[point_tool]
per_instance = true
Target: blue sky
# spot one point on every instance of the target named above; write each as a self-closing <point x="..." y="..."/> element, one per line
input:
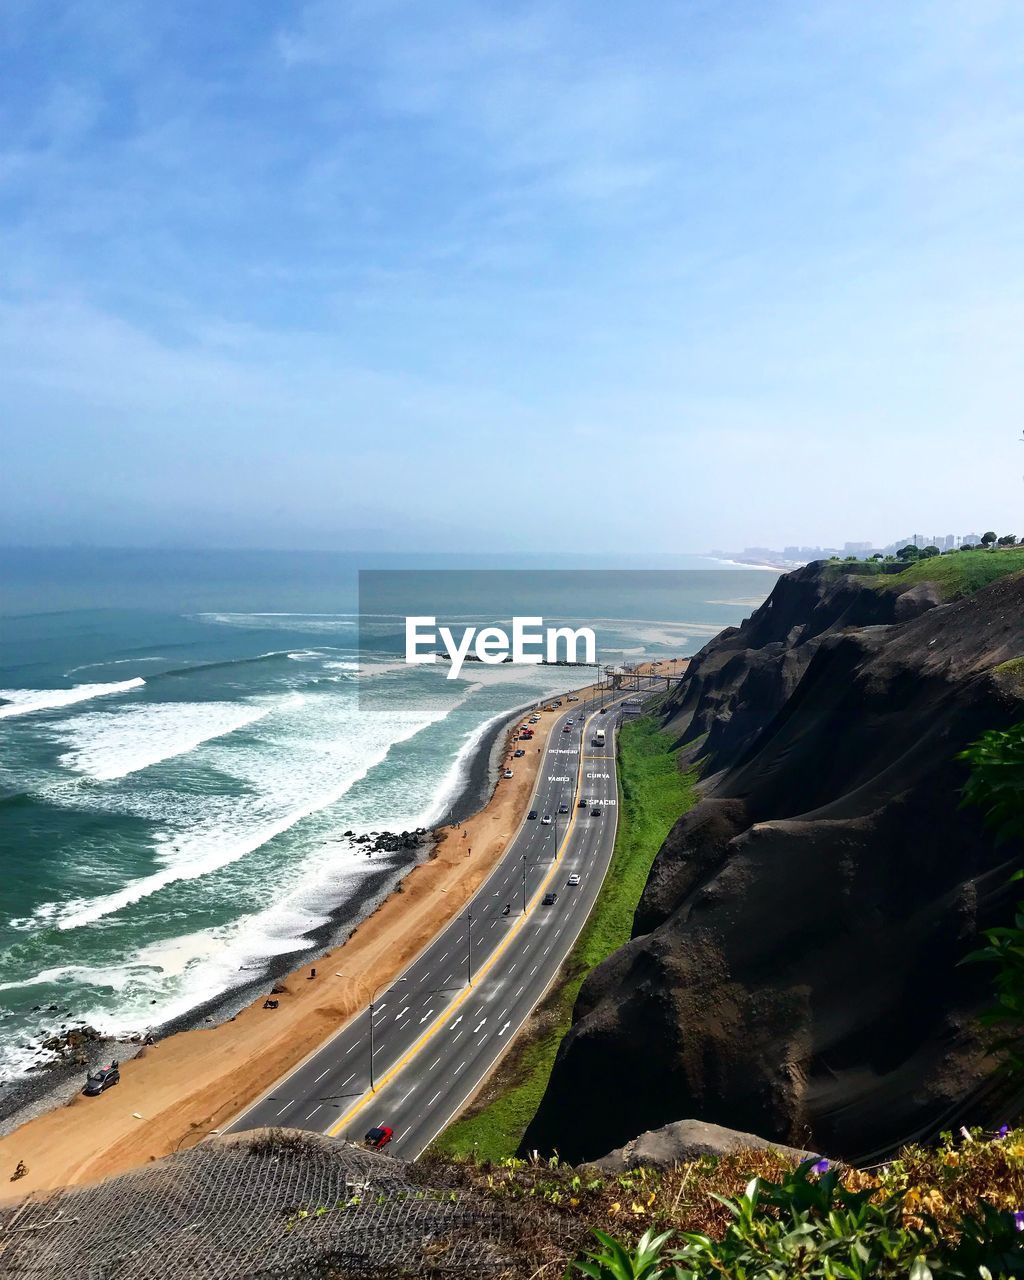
<point x="510" y="276"/>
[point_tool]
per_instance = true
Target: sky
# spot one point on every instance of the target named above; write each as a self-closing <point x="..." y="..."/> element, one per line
<point x="510" y="276"/>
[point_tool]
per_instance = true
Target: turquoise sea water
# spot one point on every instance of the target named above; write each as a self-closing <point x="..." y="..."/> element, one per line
<point x="184" y="739"/>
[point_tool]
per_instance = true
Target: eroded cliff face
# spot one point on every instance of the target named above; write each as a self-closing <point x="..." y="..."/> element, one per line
<point x="795" y="965"/>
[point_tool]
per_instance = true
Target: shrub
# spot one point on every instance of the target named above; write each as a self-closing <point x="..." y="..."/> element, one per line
<point x="996" y="785"/>
<point x="810" y="1224"/>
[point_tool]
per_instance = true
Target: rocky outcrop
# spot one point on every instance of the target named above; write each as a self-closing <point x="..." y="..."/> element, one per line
<point x="795" y="963"/>
<point x="689" y="1140"/>
<point x="746" y="674"/>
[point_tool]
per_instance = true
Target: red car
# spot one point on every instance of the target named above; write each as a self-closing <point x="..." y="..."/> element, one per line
<point x="379" y="1137"/>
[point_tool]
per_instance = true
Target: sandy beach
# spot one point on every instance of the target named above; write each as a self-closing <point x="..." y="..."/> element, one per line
<point x="175" y="1092"/>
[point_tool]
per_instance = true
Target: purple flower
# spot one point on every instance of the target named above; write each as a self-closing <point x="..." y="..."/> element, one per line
<point x="1018" y="1219"/>
<point x="1002" y="1131"/>
<point x="820" y="1167"/>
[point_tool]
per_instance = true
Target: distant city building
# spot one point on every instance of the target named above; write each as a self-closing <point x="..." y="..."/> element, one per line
<point x="808" y="553"/>
<point x="795" y="554"/>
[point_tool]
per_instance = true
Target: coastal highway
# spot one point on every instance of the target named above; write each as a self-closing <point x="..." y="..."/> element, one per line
<point x="438" y="1029"/>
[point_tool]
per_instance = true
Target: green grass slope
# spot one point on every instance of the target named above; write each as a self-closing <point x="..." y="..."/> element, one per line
<point x="960" y="574"/>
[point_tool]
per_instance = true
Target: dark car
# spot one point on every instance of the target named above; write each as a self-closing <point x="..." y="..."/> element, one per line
<point x="563" y="808"/>
<point x="518" y="752"/>
<point x="595" y="812"/>
<point x="549" y="900"/>
<point x="583" y="802"/>
<point x="532" y="814"/>
<point x="103" y="1078"/>
<point x="379" y="1137"/>
<point x="604" y="710"/>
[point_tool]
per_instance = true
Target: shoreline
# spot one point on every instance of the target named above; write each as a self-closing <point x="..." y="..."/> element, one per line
<point x="202" y="1074"/>
<point x="55" y="1084"/>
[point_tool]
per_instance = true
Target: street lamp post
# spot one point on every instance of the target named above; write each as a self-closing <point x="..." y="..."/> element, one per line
<point x="373" y="997"/>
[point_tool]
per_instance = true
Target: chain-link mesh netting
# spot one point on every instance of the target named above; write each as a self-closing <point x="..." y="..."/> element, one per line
<point x="275" y="1205"/>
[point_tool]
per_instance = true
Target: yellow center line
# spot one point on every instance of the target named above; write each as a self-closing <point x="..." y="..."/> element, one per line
<point x="464" y="995"/>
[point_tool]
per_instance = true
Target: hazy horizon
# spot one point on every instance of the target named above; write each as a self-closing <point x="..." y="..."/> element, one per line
<point x="526" y="276"/>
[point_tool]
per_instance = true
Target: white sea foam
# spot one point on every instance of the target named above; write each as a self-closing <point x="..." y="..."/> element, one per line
<point x="452" y="782"/>
<point x="112" y="744"/>
<point x="168" y="979"/>
<point x="114" y="662"/>
<point x="306" y="764"/>
<point x="22" y="702"/>
<point x="322" y="623"/>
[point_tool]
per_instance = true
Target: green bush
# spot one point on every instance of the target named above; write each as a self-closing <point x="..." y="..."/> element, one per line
<point x="996" y="785"/>
<point x="809" y="1224"/>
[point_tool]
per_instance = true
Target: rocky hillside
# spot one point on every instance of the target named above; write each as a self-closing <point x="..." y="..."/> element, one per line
<point x="795" y="965"/>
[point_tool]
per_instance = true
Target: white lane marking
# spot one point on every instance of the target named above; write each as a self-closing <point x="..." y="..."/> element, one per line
<point x="482" y="1038"/>
<point x="456" y="1022"/>
<point x="444" y="957"/>
<point x="401" y="1013"/>
<point x="433" y="1064"/>
<point x="479" y="1025"/>
<point x="535" y="968"/>
<point x="434" y="1098"/>
<point x="520" y="991"/>
<point x="351" y="1077"/>
<point x="426" y="1016"/>
<point x="402" y="1134"/>
<point x="314" y="1111"/>
<point x="285" y="1107"/>
<point x="379" y="1008"/>
<point x="348" y="1050"/>
<point x="321" y="1076"/>
<point x="402" y="1099"/>
<point x="511" y="967"/>
<point x="456" y="1037"/>
<point x="547" y="948"/>
<point x="448" y="979"/>
<point x="458" y="1068"/>
<point x="504" y="1028"/>
<point x="526" y="948"/>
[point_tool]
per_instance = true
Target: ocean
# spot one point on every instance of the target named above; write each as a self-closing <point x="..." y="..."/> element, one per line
<point x="186" y="738"/>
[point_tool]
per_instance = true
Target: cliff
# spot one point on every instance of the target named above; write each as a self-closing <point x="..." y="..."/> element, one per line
<point x="795" y="962"/>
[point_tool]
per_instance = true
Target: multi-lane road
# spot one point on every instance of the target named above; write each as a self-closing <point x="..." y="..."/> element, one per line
<point x="438" y="1029"/>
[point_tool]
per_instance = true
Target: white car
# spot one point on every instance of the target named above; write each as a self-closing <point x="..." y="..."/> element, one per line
<point x="573" y="699"/>
<point x="546" y="820"/>
<point x="573" y="880"/>
<point x="508" y="773"/>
